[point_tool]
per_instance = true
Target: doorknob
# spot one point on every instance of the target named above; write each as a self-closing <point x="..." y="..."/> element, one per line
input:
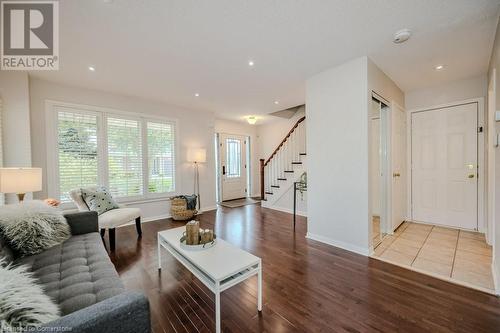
<point x="396" y="175"/>
<point x="471" y="175"/>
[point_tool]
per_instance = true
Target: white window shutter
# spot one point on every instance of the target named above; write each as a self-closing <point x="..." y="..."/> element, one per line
<point x="161" y="157"/>
<point x="124" y="157"/>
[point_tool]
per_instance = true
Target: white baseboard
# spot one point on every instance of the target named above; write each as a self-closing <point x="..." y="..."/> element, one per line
<point x="286" y="210"/>
<point x="340" y="244"/>
<point x="155" y="218"/>
<point x="496" y="276"/>
<point x="207" y="209"/>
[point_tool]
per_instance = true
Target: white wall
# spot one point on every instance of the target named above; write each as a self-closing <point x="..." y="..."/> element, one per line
<point x="461" y="90"/>
<point x="14" y="92"/>
<point x="196" y="129"/>
<point x="495" y="155"/>
<point x="270" y="134"/>
<point x="338" y="154"/>
<point x="241" y="128"/>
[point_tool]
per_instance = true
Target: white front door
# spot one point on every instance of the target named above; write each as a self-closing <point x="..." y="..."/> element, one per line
<point x="444" y="166"/>
<point x="233" y="166"/>
<point x="398" y="165"/>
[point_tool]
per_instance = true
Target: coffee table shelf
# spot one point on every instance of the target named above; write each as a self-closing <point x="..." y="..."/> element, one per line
<point x="218" y="268"/>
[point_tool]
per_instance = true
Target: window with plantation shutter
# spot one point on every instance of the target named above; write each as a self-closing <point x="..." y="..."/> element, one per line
<point x="131" y="155"/>
<point x="161" y="157"/>
<point x="77" y="153"/>
<point x="124" y="157"/>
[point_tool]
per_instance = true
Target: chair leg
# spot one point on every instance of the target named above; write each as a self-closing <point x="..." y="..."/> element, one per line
<point x="112" y="239"/>
<point x="103" y="232"/>
<point x="138" y="226"/>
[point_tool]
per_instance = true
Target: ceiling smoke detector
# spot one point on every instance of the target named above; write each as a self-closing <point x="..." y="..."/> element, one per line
<point x="401" y="36"/>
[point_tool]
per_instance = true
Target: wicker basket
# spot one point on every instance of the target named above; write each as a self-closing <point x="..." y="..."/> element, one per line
<point x="179" y="212"/>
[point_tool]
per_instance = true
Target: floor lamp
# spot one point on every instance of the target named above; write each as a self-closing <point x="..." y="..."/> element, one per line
<point x="196" y="156"/>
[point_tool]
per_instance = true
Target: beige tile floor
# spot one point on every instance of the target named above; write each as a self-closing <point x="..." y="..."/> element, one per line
<point x="377" y="237"/>
<point x="459" y="255"/>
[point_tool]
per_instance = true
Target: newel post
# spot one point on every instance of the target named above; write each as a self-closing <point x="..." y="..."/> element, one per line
<point x="262" y="179"/>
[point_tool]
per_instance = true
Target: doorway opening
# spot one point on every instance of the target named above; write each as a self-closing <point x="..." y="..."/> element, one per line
<point x="232" y="167"/>
<point x="443" y="235"/>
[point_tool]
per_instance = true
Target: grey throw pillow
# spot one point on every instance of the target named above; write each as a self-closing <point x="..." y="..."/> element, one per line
<point x="99" y="200"/>
<point x="23" y="304"/>
<point x="32" y="227"/>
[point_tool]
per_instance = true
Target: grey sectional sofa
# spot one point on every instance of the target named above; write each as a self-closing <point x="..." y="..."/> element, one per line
<point x="79" y="276"/>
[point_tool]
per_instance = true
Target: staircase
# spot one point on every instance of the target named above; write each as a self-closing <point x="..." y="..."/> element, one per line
<point x="285" y="165"/>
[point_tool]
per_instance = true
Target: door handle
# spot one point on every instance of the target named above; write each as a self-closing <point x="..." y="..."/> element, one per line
<point x="396" y="175"/>
<point x="223" y="170"/>
<point x="471" y="175"/>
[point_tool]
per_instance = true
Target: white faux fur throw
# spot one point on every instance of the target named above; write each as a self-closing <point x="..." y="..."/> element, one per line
<point x="32" y="227"/>
<point x="23" y="303"/>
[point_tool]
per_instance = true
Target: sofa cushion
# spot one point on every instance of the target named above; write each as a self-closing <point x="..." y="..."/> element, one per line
<point x="32" y="227"/>
<point x="76" y="273"/>
<point x="23" y="303"/>
<point x="117" y="217"/>
<point x="5" y="252"/>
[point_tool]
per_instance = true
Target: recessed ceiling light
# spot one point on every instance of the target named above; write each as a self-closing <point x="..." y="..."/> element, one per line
<point x="251" y="63"/>
<point x="439" y="67"/>
<point x="276" y="102"/>
<point x="92" y="68"/>
<point x="401" y="36"/>
<point x="196" y="95"/>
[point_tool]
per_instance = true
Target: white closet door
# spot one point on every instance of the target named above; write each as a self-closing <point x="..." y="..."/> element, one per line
<point x="444" y="166"/>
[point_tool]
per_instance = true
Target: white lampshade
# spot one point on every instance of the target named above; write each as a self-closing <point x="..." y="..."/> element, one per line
<point x="20" y="180"/>
<point x="198" y="155"/>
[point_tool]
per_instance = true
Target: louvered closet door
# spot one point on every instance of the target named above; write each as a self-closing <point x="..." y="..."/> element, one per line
<point x="444" y="166"/>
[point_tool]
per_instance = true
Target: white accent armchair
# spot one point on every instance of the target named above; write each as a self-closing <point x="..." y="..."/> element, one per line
<point x="110" y="219"/>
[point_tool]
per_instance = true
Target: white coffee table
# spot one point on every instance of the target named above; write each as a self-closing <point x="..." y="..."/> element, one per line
<point x="219" y="267"/>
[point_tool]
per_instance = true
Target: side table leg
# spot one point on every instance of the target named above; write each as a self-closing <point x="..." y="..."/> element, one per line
<point x="217" y="307"/>
<point x="259" y="292"/>
<point x="159" y="253"/>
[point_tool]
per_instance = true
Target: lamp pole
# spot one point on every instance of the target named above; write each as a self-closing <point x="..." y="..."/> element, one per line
<point x="197" y="184"/>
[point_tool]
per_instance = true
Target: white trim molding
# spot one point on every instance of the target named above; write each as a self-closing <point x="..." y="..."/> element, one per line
<point x="287" y="210"/>
<point x="343" y="245"/>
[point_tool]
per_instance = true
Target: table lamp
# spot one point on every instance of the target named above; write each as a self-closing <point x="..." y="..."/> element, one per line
<point x="197" y="155"/>
<point x="20" y="181"/>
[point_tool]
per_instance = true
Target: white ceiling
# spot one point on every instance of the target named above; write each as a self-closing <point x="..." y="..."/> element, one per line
<point x="169" y="50"/>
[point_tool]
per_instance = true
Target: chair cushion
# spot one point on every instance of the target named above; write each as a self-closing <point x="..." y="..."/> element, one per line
<point x="76" y="273"/>
<point x="117" y="217"/>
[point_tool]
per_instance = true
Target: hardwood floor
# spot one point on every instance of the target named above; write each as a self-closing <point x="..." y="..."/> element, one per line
<point x="308" y="286"/>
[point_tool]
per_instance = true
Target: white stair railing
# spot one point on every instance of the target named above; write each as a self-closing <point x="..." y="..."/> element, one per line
<point x="280" y="164"/>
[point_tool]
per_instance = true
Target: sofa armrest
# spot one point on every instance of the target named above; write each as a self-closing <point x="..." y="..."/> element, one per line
<point x="82" y="222"/>
<point x="124" y="313"/>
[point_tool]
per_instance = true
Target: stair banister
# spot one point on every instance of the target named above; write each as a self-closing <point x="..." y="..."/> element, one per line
<point x="281" y="158"/>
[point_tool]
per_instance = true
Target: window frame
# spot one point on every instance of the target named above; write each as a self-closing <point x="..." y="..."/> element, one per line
<point x="102" y="114"/>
